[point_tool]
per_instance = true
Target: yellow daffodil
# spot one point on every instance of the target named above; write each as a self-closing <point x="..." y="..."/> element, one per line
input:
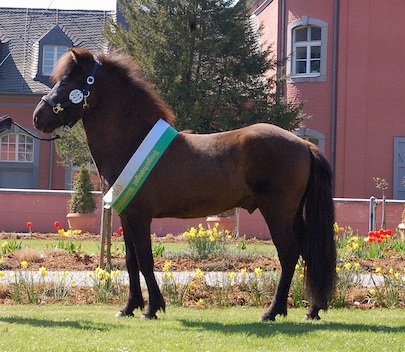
<point x="231" y="275"/>
<point x="2" y="274"/>
<point x="24" y="264"/>
<point x="42" y="271"/>
<point x="348" y="266"/>
<point x="258" y="271"/>
<point x="372" y="292"/>
<point x="378" y="270"/>
<point x="167" y="266"/>
<point x="168" y="275"/>
<point x="4" y="244"/>
<point x="243" y="271"/>
<point x="357" y="266"/>
<point x="199" y="273"/>
<point x="337" y="270"/>
<point x="2" y="260"/>
<point x="115" y="273"/>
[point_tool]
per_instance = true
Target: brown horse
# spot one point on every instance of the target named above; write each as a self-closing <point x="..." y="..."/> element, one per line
<point x="260" y="166"/>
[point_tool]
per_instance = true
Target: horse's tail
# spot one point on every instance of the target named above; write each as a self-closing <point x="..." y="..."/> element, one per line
<point x="319" y="244"/>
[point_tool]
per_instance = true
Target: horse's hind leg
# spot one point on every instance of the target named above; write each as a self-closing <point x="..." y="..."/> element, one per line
<point x="135" y="299"/>
<point x="285" y="240"/>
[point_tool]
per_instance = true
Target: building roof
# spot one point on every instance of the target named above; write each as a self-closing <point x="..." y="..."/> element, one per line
<point x="21" y="31"/>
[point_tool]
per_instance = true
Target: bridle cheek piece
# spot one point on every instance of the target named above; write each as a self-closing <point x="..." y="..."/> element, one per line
<point x="76" y="96"/>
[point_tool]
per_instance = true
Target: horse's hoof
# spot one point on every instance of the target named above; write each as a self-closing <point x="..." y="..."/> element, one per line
<point x="151" y="317"/>
<point x="310" y="317"/>
<point x="264" y="318"/>
<point x="122" y="314"/>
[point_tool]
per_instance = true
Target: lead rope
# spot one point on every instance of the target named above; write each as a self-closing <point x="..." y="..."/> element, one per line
<point x="58" y="136"/>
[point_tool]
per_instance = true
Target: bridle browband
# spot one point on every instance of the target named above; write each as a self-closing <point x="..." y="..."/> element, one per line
<point x="76" y="96"/>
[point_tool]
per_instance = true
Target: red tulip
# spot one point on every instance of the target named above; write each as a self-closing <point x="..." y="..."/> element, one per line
<point x="121" y="230"/>
<point x="29" y="224"/>
<point x="57" y="224"/>
<point x="115" y="234"/>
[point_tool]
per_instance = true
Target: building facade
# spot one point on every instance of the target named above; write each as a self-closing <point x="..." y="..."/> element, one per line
<point x="31" y="41"/>
<point x="344" y="60"/>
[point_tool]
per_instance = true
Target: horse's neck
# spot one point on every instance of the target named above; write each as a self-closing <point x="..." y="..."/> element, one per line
<point x="113" y="146"/>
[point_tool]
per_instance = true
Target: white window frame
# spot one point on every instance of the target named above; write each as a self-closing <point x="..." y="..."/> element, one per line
<point x="300" y="23"/>
<point x="23" y="148"/>
<point x="50" y="55"/>
<point x="307" y="45"/>
<point x="313" y="136"/>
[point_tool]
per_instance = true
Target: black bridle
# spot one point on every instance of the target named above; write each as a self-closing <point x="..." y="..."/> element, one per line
<point x="76" y="96"/>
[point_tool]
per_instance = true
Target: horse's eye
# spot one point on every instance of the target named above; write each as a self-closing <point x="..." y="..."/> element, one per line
<point x="63" y="81"/>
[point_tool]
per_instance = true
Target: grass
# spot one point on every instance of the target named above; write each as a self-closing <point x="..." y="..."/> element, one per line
<point x="94" y="328"/>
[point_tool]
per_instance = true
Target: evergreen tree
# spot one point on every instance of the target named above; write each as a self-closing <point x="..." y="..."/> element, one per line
<point x="82" y="200"/>
<point x="203" y="57"/>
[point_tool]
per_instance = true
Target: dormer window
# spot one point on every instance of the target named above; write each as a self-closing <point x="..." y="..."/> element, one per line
<point x="49" y="49"/>
<point x="51" y="54"/>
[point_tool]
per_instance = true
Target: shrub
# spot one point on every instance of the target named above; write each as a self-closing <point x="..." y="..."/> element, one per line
<point x="82" y="200"/>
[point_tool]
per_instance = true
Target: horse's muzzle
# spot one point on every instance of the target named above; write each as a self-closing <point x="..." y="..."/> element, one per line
<point x="41" y="120"/>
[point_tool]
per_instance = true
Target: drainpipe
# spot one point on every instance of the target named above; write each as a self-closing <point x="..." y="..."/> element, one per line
<point x="334" y="84"/>
<point x="282" y="36"/>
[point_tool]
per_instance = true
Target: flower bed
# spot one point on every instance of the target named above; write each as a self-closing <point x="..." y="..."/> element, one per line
<point x="371" y="273"/>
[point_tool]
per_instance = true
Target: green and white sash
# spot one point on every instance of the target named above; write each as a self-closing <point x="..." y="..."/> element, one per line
<point x="139" y="166"/>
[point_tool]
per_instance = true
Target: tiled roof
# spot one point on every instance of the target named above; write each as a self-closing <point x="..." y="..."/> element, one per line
<point x="21" y="31"/>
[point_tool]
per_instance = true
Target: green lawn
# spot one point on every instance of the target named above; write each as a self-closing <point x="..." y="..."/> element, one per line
<point x="94" y="328"/>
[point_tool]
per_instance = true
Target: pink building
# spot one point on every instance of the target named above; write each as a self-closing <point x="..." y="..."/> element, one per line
<point x="344" y="60"/>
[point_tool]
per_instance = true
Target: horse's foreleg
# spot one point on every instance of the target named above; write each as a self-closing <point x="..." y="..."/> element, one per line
<point x="288" y="252"/>
<point x="135" y="299"/>
<point x="143" y="247"/>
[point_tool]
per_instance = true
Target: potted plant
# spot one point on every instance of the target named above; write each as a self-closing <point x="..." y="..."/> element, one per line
<point x="82" y="203"/>
<point x="226" y="220"/>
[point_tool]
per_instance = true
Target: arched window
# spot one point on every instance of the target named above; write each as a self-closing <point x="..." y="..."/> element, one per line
<point x="16" y="147"/>
<point x="312" y="136"/>
<point x="307" y="49"/>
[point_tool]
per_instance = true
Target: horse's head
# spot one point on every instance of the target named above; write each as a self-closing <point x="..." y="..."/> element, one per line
<point x="66" y="103"/>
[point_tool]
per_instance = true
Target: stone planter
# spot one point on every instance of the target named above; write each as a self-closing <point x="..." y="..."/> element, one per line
<point x="227" y="223"/>
<point x="85" y="222"/>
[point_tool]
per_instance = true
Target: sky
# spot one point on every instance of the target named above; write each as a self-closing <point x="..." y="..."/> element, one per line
<point x="62" y="4"/>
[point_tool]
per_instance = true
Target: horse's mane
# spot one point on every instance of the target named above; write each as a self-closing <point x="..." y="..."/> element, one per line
<point x="127" y="68"/>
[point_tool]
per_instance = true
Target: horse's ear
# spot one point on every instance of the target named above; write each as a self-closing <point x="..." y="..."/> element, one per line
<point x="75" y="56"/>
<point x="80" y="56"/>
